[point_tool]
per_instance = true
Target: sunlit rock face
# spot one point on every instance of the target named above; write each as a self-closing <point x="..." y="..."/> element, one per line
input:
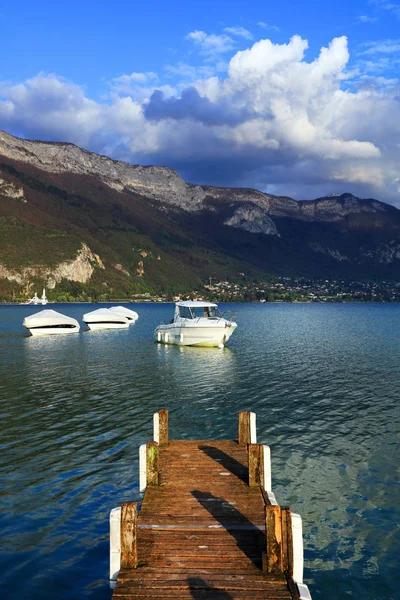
<point x="10" y="190"/>
<point x="253" y="219"/>
<point x="79" y="269"/>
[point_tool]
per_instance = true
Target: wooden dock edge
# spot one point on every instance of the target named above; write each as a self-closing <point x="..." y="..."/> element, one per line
<point x="283" y="529"/>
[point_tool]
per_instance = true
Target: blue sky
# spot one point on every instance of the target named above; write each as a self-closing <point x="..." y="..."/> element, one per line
<point x="296" y="98"/>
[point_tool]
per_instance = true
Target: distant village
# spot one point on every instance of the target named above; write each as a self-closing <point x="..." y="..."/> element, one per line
<point x="285" y="289"/>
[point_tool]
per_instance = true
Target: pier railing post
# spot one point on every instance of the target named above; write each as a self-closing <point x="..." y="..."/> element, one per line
<point x="152" y="453"/>
<point x="256" y="465"/>
<point x="287" y="542"/>
<point x="273" y="535"/>
<point x="129" y="555"/>
<point x="247" y="428"/>
<point x="279" y="540"/>
<point x="244" y="427"/>
<point x="160" y="422"/>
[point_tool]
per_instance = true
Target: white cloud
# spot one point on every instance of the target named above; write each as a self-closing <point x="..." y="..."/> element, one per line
<point x="274" y="120"/>
<point x="366" y="19"/>
<point x="239" y="31"/>
<point x="381" y="47"/>
<point x="138" y="85"/>
<point x="387" y="5"/>
<point x="189" y="73"/>
<point x="211" y="44"/>
<point x="266" y="26"/>
<point x="136" y="78"/>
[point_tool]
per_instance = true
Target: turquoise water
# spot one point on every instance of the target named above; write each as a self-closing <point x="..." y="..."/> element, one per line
<point x="323" y="380"/>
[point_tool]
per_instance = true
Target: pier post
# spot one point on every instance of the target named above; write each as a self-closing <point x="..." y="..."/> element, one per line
<point x="256" y="465"/>
<point x="279" y="540"/>
<point x="160" y="422"/>
<point x="129" y="556"/>
<point x="267" y="468"/>
<point x="247" y="428"/>
<point x="152" y="453"/>
<point x="115" y="544"/>
<point x="142" y="467"/>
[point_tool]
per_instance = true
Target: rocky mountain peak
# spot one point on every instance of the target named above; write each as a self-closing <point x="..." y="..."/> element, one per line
<point x="156" y="183"/>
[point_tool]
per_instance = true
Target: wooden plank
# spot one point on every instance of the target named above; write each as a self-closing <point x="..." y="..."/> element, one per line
<point x="129" y="557"/>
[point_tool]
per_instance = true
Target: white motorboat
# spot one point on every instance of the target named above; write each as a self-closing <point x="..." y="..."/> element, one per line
<point x="131" y="315"/>
<point x="196" y="323"/>
<point x="35" y="300"/>
<point x="50" y="322"/>
<point x="104" y="318"/>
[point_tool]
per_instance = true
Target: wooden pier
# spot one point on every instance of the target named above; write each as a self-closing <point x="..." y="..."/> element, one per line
<point x="209" y="526"/>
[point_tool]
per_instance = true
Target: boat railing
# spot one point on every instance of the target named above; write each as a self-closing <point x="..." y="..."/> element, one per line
<point x="230" y="315"/>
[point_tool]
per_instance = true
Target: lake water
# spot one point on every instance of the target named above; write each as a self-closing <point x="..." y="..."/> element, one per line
<point x="324" y="381"/>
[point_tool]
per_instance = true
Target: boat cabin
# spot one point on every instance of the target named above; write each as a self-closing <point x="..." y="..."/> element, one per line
<point x="193" y="309"/>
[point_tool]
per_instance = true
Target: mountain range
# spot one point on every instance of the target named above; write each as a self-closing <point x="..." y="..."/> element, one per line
<point x="82" y="223"/>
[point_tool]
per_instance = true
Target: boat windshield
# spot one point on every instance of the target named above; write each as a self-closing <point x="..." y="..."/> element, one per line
<point x="206" y="312"/>
<point x="195" y="312"/>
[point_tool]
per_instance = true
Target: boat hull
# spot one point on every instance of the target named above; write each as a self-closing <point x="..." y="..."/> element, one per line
<point x="207" y="337"/>
<point x="100" y="326"/>
<point x="41" y="331"/>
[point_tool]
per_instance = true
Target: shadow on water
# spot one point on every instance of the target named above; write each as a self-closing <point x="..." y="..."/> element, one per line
<point x="198" y="588"/>
<point x="230" y="463"/>
<point x="249" y="538"/>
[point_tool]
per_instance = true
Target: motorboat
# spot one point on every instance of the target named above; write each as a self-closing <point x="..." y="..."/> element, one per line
<point x="196" y="323"/>
<point x="104" y="318"/>
<point x="50" y="322"/>
<point x="131" y="315"/>
<point x="35" y="300"/>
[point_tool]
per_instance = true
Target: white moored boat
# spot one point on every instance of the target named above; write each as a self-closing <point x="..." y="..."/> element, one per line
<point x="196" y="323"/>
<point x="131" y="315"/>
<point x="35" y="300"/>
<point x="104" y="318"/>
<point x="50" y="322"/>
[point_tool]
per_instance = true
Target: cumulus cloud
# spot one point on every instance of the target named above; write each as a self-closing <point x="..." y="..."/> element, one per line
<point x="273" y="120"/>
<point x="194" y="107"/>
<point x="139" y="86"/>
<point x="48" y="107"/>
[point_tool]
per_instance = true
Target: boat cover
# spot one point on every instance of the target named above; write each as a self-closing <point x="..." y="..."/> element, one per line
<point x="48" y="317"/>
